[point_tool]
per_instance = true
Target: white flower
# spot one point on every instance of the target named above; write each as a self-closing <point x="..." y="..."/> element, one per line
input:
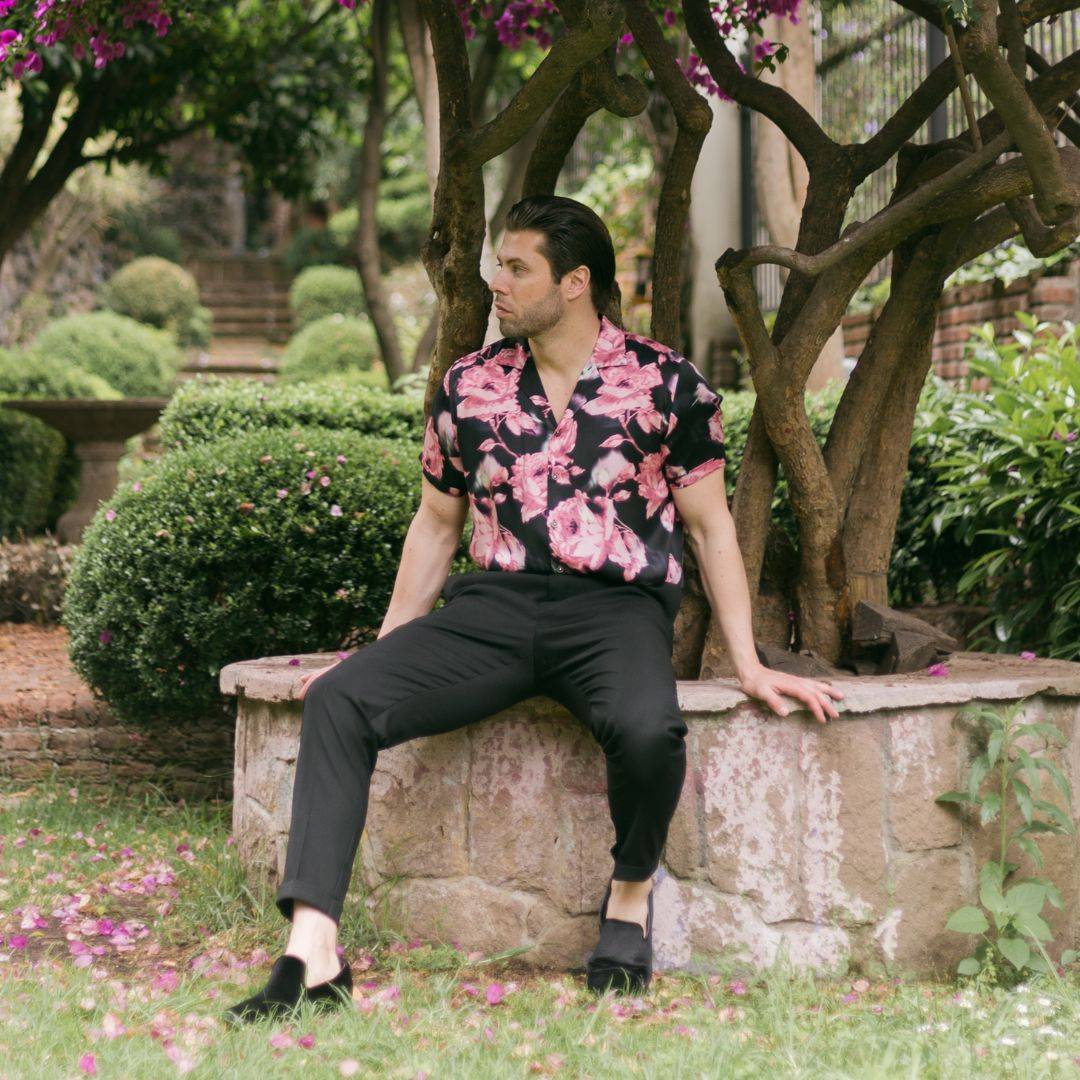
<point x="1007" y="1040"/>
<point x="1021" y="1007"/>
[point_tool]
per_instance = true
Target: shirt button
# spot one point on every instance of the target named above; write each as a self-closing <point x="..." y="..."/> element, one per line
<point x="558" y="567"/>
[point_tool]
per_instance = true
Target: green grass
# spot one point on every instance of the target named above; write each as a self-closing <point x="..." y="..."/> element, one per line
<point x="194" y="939"/>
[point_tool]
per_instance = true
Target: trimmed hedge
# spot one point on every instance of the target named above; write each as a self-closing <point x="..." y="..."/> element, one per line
<point x="162" y="294"/>
<point x="208" y="407"/>
<point x="334" y="344"/>
<point x="319" y="291"/>
<point x="138" y="360"/>
<point x="39" y="480"/>
<point x="230" y="551"/>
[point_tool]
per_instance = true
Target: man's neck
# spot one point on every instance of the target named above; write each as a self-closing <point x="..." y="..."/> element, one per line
<point x="566" y="347"/>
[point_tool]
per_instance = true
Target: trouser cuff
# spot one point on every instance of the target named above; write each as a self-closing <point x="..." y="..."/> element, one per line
<point x="294" y="889"/>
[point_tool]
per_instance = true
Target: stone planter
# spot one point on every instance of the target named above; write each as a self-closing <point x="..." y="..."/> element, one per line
<point x="821" y="841"/>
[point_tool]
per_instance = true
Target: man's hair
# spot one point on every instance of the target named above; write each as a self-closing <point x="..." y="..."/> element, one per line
<point x="574" y="236"/>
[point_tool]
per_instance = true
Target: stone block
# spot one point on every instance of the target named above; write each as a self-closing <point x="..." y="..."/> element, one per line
<point x="927" y="887"/>
<point x="923" y="748"/>
<point x="745" y="766"/>
<point x="416" y="818"/>
<point x="842" y="844"/>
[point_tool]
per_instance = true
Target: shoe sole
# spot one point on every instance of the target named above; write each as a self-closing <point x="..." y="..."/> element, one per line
<point x="602" y="977"/>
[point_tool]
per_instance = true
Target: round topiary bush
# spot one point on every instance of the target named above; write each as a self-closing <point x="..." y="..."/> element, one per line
<point x="265" y="543"/>
<point x="159" y="293"/>
<point x="40" y="477"/>
<point x="209" y="407"/>
<point x="138" y="360"/>
<point x="319" y="291"/>
<point x="335" y="343"/>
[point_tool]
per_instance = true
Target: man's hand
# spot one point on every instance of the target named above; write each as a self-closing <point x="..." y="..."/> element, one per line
<point x="768" y="684"/>
<point x="307" y="679"/>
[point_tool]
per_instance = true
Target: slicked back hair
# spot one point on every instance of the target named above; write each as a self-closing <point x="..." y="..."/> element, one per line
<point x="574" y="236"/>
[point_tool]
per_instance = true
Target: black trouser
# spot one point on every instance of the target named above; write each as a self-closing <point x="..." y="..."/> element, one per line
<point x="602" y="650"/>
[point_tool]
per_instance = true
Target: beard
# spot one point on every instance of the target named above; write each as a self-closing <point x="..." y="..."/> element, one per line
<point x="536" y="318"/>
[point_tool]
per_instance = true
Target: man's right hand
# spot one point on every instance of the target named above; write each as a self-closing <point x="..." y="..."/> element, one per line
<point x="307" y="679"/>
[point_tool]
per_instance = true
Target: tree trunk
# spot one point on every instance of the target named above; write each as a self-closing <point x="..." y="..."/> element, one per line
<point x="367" y="248"/>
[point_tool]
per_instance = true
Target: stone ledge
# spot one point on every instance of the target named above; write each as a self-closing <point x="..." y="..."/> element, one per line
<point x="986" y="676"/>
<point x="823" y="841"/>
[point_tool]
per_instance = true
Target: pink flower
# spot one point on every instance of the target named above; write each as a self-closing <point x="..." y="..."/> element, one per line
<point x="282" y="492"/>
<point x="937" y="669"/>
<point x="17" y="941"/>
<point x="335" y="510"/>
<point x="494" y="994"/>
<point x="1027" y="654"/>
<point x="105" y="637"/>
<point x="341" y="459"/>
<point x="294" y="662"/>
<point x="306" y="1041"/>
<point x="324" y="481"/>
<point x="280" y="1040"/>
<point x="88" y="1065"/>
<point x="310" y="474"/>
<point x="110" y="514"/>
<point x="137" y="486"/>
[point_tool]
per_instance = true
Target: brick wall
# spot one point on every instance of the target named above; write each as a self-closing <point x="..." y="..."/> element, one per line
<point x="52" y="726"/>
<point x="1050" y="297"/>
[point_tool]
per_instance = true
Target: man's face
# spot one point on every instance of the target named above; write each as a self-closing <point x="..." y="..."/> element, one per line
<point x="528" y="301"/>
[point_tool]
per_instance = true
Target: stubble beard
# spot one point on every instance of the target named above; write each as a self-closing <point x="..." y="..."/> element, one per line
<point x="535" y="319"/>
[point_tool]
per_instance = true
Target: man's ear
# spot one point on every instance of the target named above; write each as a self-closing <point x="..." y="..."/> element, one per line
<point x="579" y="281"/>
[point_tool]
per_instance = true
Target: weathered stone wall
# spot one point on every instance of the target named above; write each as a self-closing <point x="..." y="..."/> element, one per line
<point x="824" y="841"/>
<point x="1049" y="297"/>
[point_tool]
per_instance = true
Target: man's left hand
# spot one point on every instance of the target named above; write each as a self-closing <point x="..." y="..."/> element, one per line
<point x="768" y="684"/>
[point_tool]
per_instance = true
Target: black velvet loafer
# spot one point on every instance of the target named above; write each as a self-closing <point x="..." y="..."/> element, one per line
<point x="623" y="957"/>
<point x="285" y="991"/>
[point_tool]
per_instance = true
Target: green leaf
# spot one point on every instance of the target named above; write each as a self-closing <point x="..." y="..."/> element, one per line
<point x="968" y="966"/>
<point x="955" y="797"/>
<point x="991" y="804"/>
<point x="979" y="769"/>
<point x="990" y="897"/>
<point x="1029" y="896"/>
<point x="1023" y="797"/>
<point x="1031" y="770"/>
<point x="1015" y="950"/>
<point x="967" y="920"/>
<point x="993" y="747"/>
<point x="1032" y="849"/>
<point x="1033" y="924"/>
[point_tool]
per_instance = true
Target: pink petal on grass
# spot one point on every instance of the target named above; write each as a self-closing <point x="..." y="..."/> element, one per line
<point x="937" y="669"/>
<point x="306" y="1041"/>
<point x="494" y="994"/>
<point x="88" y="1065"/>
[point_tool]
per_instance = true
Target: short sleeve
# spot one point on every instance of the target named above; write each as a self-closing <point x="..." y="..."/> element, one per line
<point x="440" y="459"/>
<point x="695" y="432"/>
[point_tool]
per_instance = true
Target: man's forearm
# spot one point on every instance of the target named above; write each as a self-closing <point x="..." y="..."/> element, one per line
<point x="426" y="557"/>
<point x="723" y="576"/>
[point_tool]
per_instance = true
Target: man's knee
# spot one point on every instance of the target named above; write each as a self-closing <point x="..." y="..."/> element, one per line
<point x="644" y="741"/>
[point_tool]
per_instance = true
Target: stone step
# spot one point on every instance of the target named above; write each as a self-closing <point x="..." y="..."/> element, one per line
<point x="246" y="328"/>
<point x="256" y="311"/>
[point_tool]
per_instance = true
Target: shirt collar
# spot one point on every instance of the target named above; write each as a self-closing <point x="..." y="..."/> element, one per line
<point x="610" y="348"/>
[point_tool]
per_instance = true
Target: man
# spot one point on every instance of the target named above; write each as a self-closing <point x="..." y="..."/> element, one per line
<point x="584" y="452"/>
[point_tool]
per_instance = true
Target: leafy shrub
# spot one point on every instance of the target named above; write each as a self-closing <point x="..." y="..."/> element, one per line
<point x="333" y="344"/>
<point x="162" y="294"/>
<point x="312" y="247"/>
<point x="138" y="360"/>
<point x="1012" y="768"/>
<point x="40" y="477"/>
<point x="1010" y="474"/>
<point x="208" y="407"/>
<point x="318" y="291"/>
<point x="230" y="551"/>
<point x="136" y="231"/>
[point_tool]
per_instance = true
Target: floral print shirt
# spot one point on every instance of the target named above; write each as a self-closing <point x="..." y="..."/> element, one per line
<point x="590" y="494"/>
